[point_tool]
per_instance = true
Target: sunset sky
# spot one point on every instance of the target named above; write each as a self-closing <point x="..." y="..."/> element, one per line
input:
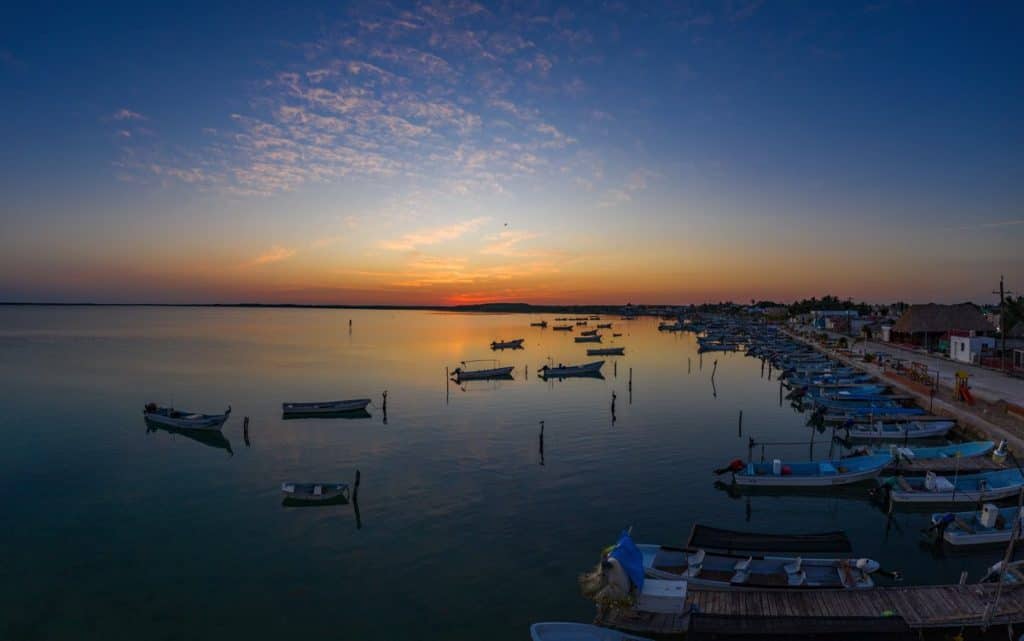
<point x="451" y="152"/>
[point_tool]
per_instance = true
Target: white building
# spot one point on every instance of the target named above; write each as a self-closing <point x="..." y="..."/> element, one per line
<point x="967" y="348"/>
<point x="886" y="332"/>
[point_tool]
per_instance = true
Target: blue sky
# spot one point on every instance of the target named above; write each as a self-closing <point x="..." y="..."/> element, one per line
<point x="455" y="151"/>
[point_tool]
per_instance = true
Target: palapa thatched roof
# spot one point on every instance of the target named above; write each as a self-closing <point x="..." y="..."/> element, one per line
<point x="934" y="318"/>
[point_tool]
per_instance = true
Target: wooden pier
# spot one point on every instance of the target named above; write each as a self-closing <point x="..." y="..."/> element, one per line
<point x="804" y="612"/>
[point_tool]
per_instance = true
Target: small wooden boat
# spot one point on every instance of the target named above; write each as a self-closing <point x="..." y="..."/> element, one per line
<point x="588" y="339"/>
<point x="589" y="332"/>
<point x="563" y="328"/>
<point x="325" y="407"/>
<point x="616" y="335"/>
<point x="604" y="325"/>
<point x="460" y="374"/>
<point x="809" y="474"/>
<point x="737" y="572"/>
<point x="563" y="371"/>
<point x="170" y="417"/>
<point x="606" y="351"/>
<point x="669" y="327"/>
<point x="314" y="493"/>
<point x="513" y="344"/>
<point x="990" y="525"/>
<point x="559" y="631"/>
<point x="581" y="322"/>
<point x="540" y="324"/>
<point x="965" y="488"/>
<point x="879" y="431"/>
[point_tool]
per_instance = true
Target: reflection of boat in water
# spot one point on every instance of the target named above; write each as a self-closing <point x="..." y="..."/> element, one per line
<point x="170" y="417"/>
<point x="210" y="438"/>
<point x="315" y="493"/>
<point x="325" y="407"/>
<point x="361" y="413"/>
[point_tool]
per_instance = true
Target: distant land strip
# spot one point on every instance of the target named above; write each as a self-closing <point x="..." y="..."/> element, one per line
<point x="507" y="308"/>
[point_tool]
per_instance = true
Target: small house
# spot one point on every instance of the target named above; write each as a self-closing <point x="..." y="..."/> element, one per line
<point x="967" y="347"/>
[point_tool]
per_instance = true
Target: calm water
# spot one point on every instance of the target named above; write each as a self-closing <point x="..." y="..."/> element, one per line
<point x="110" y="532"/>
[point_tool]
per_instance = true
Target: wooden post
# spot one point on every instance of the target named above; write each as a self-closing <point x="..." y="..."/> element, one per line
<point x="741" y="423"/>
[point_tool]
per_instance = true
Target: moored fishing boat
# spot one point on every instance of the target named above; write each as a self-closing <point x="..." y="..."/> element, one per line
<point x="589" y="332"/>
<point x="989" y="525"/>
<point x="460" y="374"/>
<point x="880" y="431"/>
<point x="604" y="325"/>
<point x="588" y="339"/>
<point x="737" y="572"/>
<point x="628" y="567"/>
<point x="562" y="631"/>
<point x="964" y="488"/>
<point x="563" y="328"/>
<point x="969" y="449"/>
<point x="540" y="324"/>
<point x="314" y="493"/>
<point x="325" y="407"/>
<point x="512" y="344"/>
<point x="562" y="371"/>
<point x="808" y="473"/>
<point x="182" y="420"/>
<point x="606" y="351"/>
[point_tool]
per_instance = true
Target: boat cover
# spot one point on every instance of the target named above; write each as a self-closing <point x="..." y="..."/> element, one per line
<point x="712" y="538"/>
<point x="630" y="558"/>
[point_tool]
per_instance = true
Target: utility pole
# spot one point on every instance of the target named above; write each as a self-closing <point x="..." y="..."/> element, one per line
<point x="1002" y="323"/>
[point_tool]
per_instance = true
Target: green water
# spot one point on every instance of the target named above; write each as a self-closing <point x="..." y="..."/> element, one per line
<point x="112" y="532"/>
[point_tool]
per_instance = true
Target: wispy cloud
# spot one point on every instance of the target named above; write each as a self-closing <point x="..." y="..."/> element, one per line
<point x="127" y="114"/>
<point x="635" y="182"/>
<point x="274" y="255"/>
<point x="988" y="225"/>
<point x="507" y="243"/>
<point x="419" y="97"/>
<point x="434" y="236"/>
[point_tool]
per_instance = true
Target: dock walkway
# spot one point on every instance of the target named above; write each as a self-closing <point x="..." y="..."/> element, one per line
<point x="763" y="612"/>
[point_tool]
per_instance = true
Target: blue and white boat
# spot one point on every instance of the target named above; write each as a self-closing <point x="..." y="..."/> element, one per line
<point x="990" y="525"/>
<point x="970" y="449"/>
<point x="905" y="430"/>
<point x="183" y="420"/>
<point x="965" y="488"/>
<point x="812" y="473"/>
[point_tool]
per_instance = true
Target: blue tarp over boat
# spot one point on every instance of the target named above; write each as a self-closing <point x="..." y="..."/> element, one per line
<point x="629" y="556"/>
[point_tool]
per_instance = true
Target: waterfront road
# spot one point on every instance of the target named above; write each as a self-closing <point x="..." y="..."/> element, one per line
<point x="986" y="384"/>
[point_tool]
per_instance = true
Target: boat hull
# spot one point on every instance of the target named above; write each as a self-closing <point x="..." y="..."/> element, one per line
<point x="324" y="407"/>
<point x="205" y="423"/>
